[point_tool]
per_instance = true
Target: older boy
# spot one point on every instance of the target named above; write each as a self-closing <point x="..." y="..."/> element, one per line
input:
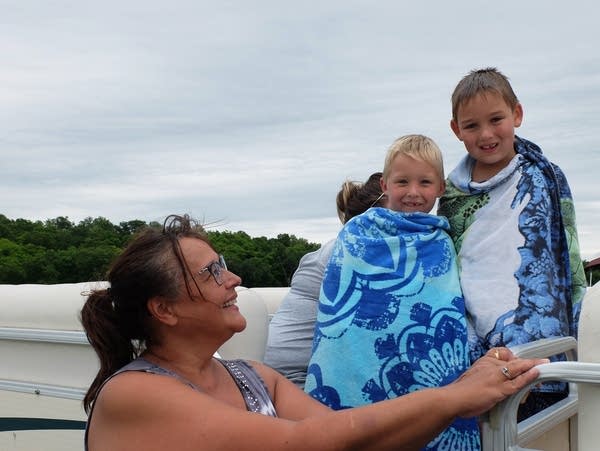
<point x="513" y="224"/>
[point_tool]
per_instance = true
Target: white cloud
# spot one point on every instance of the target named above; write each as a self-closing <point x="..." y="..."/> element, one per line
<point x="255" y="113"/>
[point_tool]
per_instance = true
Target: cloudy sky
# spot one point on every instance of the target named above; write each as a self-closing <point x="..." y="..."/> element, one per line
<point x="252" y="114"/>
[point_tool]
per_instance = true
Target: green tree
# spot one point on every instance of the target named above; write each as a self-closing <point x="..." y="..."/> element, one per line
<point x="60" y="251"/>
<point x="127" y="229"/>
<point x="261" y="261"/>
<point x="6" y="228"/>
<point x="12" y="258"/>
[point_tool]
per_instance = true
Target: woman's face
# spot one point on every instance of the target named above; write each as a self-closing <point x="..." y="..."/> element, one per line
<point x="213" y="304"/>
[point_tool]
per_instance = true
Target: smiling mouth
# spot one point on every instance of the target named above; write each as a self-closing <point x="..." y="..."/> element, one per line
<point x="489" y="147"/>
<point x="229" y="303"/>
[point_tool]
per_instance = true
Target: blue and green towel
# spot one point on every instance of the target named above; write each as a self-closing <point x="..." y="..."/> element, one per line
<point x="515" y="235"/>
<point x="391" y="317"/>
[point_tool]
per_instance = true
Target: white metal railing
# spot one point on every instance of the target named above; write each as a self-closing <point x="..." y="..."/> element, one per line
<point x="55" y="391"/>
<point x="44" y="335"/>
<point x="500" y="430"/>
<point x="508" y="433"/>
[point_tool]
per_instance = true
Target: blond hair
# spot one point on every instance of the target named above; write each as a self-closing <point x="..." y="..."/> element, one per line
<point x="420" y="148"/>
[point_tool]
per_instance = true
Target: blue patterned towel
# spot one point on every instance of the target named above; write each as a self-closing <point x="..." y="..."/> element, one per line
<point x="515" y="234"/>
<point x="391" y="316"/>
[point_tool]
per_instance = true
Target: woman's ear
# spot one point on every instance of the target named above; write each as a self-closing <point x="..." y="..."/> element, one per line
<point x="162" y="310"/>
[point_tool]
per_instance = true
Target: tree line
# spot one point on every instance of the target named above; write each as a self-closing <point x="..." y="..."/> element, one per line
<point x="61" y="251"/>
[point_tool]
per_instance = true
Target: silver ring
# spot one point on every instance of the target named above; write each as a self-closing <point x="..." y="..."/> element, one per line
<point x="506" y="372"/>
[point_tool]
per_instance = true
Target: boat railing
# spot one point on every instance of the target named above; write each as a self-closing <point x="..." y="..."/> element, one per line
<point x="500" y="430"/>
<point x="577" y="413"/>
<point x="512" y="433"/>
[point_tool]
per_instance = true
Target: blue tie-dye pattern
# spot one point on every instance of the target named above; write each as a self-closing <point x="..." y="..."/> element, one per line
<point x="545" y="308"/>
<point x="547" y="304"/>
<point x="391" y="295"/>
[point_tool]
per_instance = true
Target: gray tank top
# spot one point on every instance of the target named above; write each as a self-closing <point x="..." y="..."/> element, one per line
<point x="251" y="386"/>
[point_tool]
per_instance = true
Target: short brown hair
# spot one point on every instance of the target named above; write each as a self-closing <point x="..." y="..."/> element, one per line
<point x="480" y="81"/>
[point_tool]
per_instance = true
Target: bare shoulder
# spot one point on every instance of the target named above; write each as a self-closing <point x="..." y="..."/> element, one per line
<point x="273" y="380"/>
<point x="137" y="408"/>
<point x="270" y="376"/>
<point x="137" y="391"/>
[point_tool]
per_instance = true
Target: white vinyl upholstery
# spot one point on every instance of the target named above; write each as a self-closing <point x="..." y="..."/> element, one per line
<point x="41" y="335"/>
<point x="47" y="364"/>
<point x="37" y="306"/>
<point x="250" y="343"/>
<point x="272" y="297"/>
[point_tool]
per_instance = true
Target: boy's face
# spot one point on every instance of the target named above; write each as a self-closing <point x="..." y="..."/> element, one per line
<point x="412" y="185"/>
<point x="486" y="125"/>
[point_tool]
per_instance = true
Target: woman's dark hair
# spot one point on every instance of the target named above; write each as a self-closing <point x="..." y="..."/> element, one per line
<point x="355" y="198"/>
<point x="116" y="320"/>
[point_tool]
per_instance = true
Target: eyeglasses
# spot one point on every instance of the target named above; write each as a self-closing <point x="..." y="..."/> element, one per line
<point x="216" y="269"/>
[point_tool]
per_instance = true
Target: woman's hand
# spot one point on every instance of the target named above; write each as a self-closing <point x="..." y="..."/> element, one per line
<point x="492" y="378"/>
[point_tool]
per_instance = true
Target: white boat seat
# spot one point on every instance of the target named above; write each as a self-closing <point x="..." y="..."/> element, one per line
<point x="272" y="297"/>
<point x="251" y="342"/>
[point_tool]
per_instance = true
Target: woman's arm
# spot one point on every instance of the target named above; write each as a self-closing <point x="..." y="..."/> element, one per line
<point x="290" y="401"/>
<point x="143" y="411"/>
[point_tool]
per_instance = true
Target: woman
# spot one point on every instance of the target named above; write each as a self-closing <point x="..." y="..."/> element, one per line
<point x="171" y="302"/>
